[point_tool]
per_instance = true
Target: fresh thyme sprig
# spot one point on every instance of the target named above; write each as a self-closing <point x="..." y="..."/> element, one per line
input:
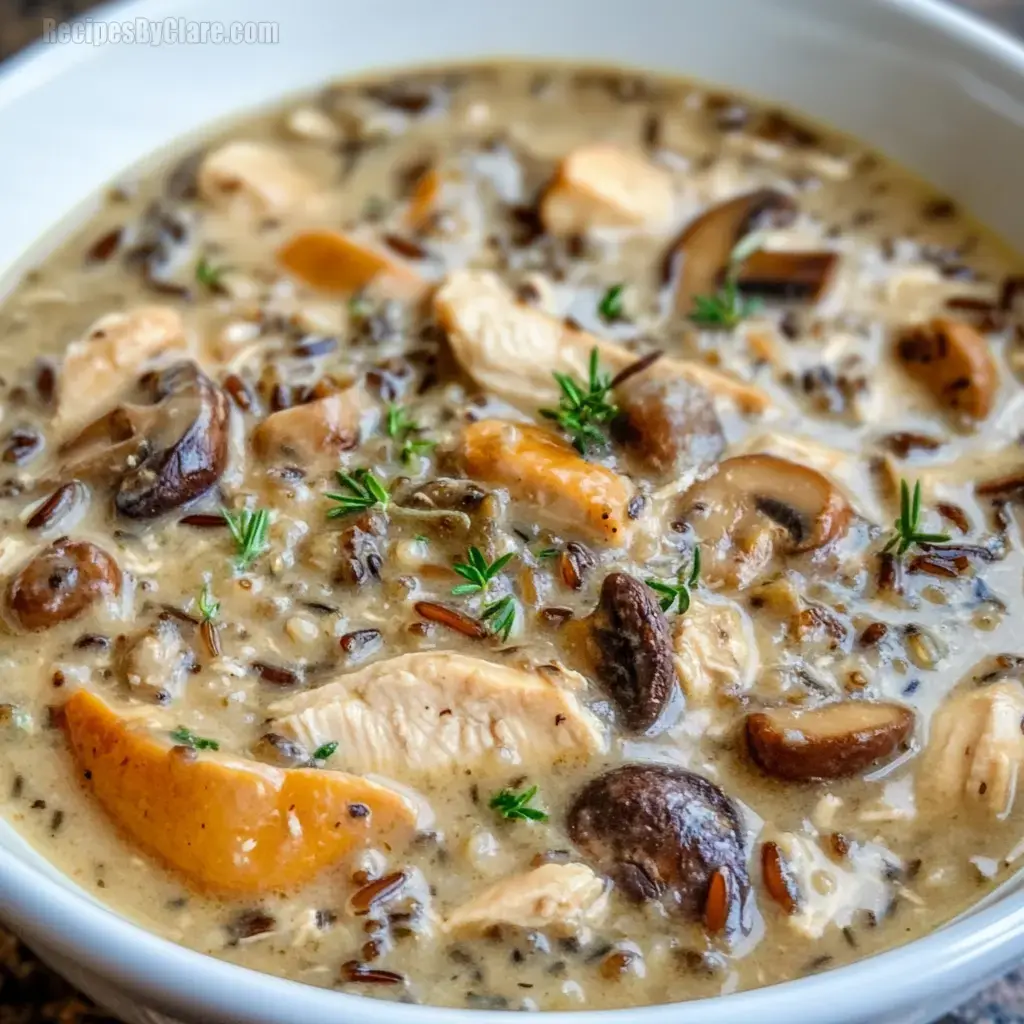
<point x="322" y="753"/>
<point x="478" y="571"/>
<point x="188" y="738"/>
<point x="400" y="426"/>
<point x="209" y="275"/>
<point x="209" y="609"/>
<point x="500" y="615"/>
<point x="679" y="590"/>
<point x="365" y="491"/>
<point x="582" y="413"/>
<point x="612" y="307"/>
<point x="516" y="806"/>
<point x="907" y="531"/>
<point x="727" y="307"/>
<point x="249" y="529"/>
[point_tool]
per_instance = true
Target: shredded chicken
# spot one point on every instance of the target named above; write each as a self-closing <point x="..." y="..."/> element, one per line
<point x="715" y="650"/>
<point x="439" y="712"/>
<point x="110" y="357"/>
<point x="605" y="186"/>
<point x="975" y="752"/>
<point x="252" y="175"/>
<point x="561" y="899"/>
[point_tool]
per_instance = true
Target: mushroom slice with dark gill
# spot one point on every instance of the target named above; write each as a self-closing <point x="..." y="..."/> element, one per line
<point x="953" y="361"/>
<point x="786" y="276"/>
<point x="826" y="742"/>
<point x="699" y="257"/>
<point x="756" y="505"/>
<point x="187" y="444"/>
<point x="60" y="583"/>
<point x="633" y="650"/>
<point x="667" y="423"/>
<point x="660" y="832"/>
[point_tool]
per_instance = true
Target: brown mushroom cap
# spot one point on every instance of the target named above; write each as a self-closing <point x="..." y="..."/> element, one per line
<point x="826" y="742"/>
<point x="755" y="505"/>
<point x="187" y="445"/>
<point x="701" y="254"/>
<point x="790" y="276"/>
<point x="661" y="832"/>
<point x="953" y="361"/>
<point x="60" y="583"/>
<point x="667" y="423"/>
<point x="634" y="661"/>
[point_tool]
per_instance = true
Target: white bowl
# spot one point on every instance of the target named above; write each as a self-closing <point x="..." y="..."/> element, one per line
<point x="924" y="83"/>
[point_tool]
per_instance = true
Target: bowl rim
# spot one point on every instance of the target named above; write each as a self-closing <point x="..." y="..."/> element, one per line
<point x="69" y="924"/>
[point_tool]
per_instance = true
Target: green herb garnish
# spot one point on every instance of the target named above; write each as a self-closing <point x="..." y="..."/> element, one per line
<point x="611" y="306"/>
<point x="478" y="571"/>
<point x="547" y="553"/>
<point x="500" y="615"/>
<point x="365" y="492"/>
<point x="209" y="275"/>
<point x="582" y="413"/>
<point x="209" y="609"/>
<point x="398" y="424"/>
<point x="516" y="806"/>
<point x="188" y="738"/>
<point x="249" y="529"/>
<point x="727" y="307"/>
<point x="678" y="591"/>
<point x="907" y="532"/>
<point x="324" y="752"/>
<point x="359" y="307"/>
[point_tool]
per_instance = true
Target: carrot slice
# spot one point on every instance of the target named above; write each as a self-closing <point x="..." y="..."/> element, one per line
<point x="228" y="826"/>
<point x="333" y="262"/>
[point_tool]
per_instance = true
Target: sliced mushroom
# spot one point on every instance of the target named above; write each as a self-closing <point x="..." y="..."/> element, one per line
<point x="314" y="432"/>
<point x="187" y="445"/>
<point x="605" y="186"/>
<point x="668" y="424"/>
<point x="109" y="358"/>
<point x="700" y="255"/>
<point x="634" y="650"/>
<point x="542" y="470"/>
<point x="826" y="742"/>
<point x="252" y="176"/>
<point x="755" y="505"/>
<point x="60" y="583"/>
<point x="661" y="832"/>
<point x="785" y="275"/>
<point x="157" y="663"/>
<point x="954" y="362"/>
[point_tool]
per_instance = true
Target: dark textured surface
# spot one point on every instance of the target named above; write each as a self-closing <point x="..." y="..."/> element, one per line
<point x="31" y="994"/>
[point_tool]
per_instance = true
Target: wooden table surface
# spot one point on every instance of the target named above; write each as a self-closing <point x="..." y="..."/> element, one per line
<point x="31" y="994"/>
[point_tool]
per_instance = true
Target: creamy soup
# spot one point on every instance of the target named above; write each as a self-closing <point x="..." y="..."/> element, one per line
<point x="518" y="537"/>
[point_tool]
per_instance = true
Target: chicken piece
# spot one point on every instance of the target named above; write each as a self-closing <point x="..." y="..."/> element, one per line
<point x="253" y="177"/>
<point x="111" y="356"/>
<point x="313" y="433"/>
<point x="974" y="752"/>
<point x="604" y="186"/>
<point x="559" y="899"/>
<point x="715" y="650"/>
<point x="539" y="468"/>
<point x="440" y="712"/>
<point x="512" y="350"/>
<point x="158" y="662"/>
<point x="823" y="892"/>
